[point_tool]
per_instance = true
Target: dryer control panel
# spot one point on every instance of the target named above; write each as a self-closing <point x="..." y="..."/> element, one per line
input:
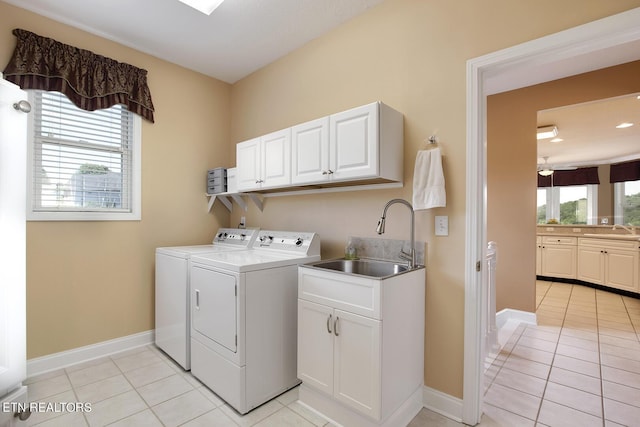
<point x="236" y="236"/>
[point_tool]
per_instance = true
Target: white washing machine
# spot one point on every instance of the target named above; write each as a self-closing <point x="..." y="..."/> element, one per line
<point x="173" y="314"/>
<point x="244" y="317"/>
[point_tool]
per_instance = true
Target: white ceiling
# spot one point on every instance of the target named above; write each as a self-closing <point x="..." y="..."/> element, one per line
<point x="589" y="133"/>
<point x="238" y="38"/>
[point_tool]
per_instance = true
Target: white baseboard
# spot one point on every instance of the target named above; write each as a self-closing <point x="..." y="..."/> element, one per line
<point x="442" y="403"/>
<point x="451" y="407"/>
<point x="507" y="321"/>
<point x="51" y="362"/>
<point x="508" y="314"/>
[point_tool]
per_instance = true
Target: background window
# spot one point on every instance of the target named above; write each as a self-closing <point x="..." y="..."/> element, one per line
<point x="576" y="204"/>
<point x="84" y="165"/>
<point x="627" y="202"/>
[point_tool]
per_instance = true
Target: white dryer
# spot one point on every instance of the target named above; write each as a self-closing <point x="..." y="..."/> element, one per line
<point x="244" y="317"/>
<point x="173" y="314"/>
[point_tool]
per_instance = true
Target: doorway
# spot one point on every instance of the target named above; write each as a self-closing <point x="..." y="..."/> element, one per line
<point x="599" y="44"/>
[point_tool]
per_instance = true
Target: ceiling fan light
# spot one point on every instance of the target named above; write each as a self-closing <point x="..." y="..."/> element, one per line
<point x="205" y="6"/>
<point x="546" y="132"/>
<point x="545" y="172"/>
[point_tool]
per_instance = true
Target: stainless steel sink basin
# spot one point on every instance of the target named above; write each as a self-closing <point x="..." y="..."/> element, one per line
<point x="363" y="267"/>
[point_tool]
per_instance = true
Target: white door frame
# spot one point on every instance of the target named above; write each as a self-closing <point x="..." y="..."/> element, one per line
<point x="610" y="41"/>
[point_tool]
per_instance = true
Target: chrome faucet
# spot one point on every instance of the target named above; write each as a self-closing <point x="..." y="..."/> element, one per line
<point x="631" y="230"/>
<point x="411" y="256"/>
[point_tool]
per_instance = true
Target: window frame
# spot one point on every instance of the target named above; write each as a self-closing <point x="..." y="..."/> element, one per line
<point x="131" y="214"/>
<point x="553" y="203"/>
<point x="619" y="191"/>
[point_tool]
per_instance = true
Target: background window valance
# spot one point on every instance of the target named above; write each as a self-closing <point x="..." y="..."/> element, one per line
<point x="581" y="176"/>
<point x="628" y="171"/>
<point x="90" y="81"/>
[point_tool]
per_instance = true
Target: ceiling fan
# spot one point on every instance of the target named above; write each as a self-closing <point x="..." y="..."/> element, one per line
<point x="545" y="169"/>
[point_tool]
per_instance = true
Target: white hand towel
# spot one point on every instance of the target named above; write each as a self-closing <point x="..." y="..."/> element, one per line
<point x="428" y="181"/>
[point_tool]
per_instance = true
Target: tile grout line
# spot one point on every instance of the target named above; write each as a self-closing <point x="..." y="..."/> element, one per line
<point x="600" y="361"/>
<point x="546" y="384"/>
<point x="134" y="389"/>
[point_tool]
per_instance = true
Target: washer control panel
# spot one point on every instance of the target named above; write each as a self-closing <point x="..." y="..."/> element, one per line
<point x="299" y="242"/>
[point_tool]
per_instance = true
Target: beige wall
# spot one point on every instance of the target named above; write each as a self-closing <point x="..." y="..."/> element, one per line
<point x="511" y="178"/>
<point x="410" y="54"/>
<point x="89" y="282"/>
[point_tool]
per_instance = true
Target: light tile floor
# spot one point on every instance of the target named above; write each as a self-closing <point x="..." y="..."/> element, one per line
<point x="578" y="367"/>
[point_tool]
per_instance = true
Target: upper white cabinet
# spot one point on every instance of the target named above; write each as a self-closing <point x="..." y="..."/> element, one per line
<point x="362" y="144"/>
<point x="354" y="143"/>
<point x="264" y="162"/>
<point x="248" y="172"/>
<point x="310" y="152"/>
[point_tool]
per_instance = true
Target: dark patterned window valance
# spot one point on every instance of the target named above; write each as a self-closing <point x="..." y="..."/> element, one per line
<point x="628" y="171"/>
<point x="582" y="176"/>
<point x="90" y="81"/>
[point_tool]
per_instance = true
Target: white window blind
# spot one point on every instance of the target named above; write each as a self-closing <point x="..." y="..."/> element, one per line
<point x="82" y="161"/>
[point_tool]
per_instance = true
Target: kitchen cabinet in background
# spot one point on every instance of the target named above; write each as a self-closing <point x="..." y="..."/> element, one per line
<point x="611" y="263"/>
<point x="557" y="256"/>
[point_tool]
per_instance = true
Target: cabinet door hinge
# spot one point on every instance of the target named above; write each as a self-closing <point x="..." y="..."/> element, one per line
<point x="478" y="266"/>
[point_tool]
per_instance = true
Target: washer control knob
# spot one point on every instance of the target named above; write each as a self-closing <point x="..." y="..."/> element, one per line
<point x="299" y="241"/>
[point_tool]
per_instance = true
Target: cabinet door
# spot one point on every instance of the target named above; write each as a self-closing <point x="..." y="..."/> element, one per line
<point x="591" y="264"/>
<point x="353" y="143"/>
<point x="276" y="159"/>
<point x="248" y="165"/>
<point x="538" y="259"/>
<point x="559" y="261"/>
<point x="622" y="269"/>
<point x="357" y="362"/>
<point x="315" y="345"/>
<point x="310" y="152"/>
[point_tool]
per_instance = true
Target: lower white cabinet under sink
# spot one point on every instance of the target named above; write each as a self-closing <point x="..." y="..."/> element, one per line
<point x="361" y="346"/>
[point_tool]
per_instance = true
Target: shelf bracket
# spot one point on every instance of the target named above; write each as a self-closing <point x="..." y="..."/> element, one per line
<point x="238" y="199"/>
<point x="227" y="200"/>
<point x="256" y="200"/>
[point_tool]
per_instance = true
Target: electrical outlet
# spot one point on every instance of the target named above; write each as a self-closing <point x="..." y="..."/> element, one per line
<point x="442" y="225"/>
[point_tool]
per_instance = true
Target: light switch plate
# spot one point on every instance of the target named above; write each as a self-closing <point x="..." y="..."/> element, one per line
<point x="442" y="225"/>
